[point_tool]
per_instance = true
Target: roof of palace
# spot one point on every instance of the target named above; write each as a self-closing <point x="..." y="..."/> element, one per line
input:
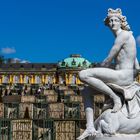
<point x="27" y="66"/>
<point x="74" y="61"/>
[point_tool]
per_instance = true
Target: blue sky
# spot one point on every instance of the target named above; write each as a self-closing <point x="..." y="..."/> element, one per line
<point x="51" y="30"/>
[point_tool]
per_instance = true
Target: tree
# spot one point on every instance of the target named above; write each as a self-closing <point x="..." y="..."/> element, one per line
<point x="2" y="59"/>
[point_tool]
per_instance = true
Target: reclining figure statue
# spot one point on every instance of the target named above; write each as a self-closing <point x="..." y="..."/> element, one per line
<point x="124" y="117"/>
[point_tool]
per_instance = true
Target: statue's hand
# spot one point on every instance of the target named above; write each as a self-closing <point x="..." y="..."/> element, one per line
<point x="136" y="72"/>
<point x="105" y="63"/>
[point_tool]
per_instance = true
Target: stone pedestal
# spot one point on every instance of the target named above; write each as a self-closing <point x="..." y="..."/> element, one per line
<point x="118" y="137"/>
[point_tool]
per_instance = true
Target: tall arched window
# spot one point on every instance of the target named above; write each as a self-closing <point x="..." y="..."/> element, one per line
<point x="61" y="80"/>
<point x="50" y="81"/>
<point x="26" y="79"/>
<point x="73" y="79"/>
<point x="6" y="79"/>
<point x="37" y="79"/>
<point x="16" y="78"/>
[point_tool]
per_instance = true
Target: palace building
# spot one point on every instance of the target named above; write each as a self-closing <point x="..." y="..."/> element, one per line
<point x="44" y="73"/>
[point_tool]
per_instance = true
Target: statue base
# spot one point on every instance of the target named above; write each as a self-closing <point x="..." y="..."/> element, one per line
<point x="117" y="137"/>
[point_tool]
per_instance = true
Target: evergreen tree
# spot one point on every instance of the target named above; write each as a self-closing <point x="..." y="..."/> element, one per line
<point x="2" y="59"/>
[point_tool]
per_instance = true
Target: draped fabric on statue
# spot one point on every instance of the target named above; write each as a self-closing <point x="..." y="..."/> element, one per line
<point x="131" y="94"/>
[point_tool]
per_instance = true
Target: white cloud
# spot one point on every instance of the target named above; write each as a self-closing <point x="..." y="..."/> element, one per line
<point x="16" y="60"/>
<point x="8" y="50"/>
<point x="138" y="40"/>
<point x="24" y="61"/>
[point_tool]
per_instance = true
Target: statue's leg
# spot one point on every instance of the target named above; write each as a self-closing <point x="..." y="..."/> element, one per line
<point x="109" y="122"/>
<point x="87" y="95"/>
<point x="97" y="77"/>
<point x="106" y="128"/>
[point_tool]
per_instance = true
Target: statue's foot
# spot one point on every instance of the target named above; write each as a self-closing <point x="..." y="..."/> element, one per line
<point x="117" y="106"/>
<point x="99" y="134"/>
<point x="107" y="135"/>
<point x="87" y="133"/>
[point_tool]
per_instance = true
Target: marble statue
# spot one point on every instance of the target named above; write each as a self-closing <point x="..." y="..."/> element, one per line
<point x="118" y="84"/>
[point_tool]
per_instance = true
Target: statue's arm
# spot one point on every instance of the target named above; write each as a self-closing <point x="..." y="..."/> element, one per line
<point x="112" y="54"/>
<point x="137" y="66"/>
<point x="118" y="44"/>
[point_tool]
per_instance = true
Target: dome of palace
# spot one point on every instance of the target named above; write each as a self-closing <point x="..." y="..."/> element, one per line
<point x="74" y="61"/>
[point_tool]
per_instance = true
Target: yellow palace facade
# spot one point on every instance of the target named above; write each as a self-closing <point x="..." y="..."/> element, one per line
<point x="64" y="72"/>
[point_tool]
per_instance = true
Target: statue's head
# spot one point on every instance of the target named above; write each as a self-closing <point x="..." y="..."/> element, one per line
<point x="119" y="20"/>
